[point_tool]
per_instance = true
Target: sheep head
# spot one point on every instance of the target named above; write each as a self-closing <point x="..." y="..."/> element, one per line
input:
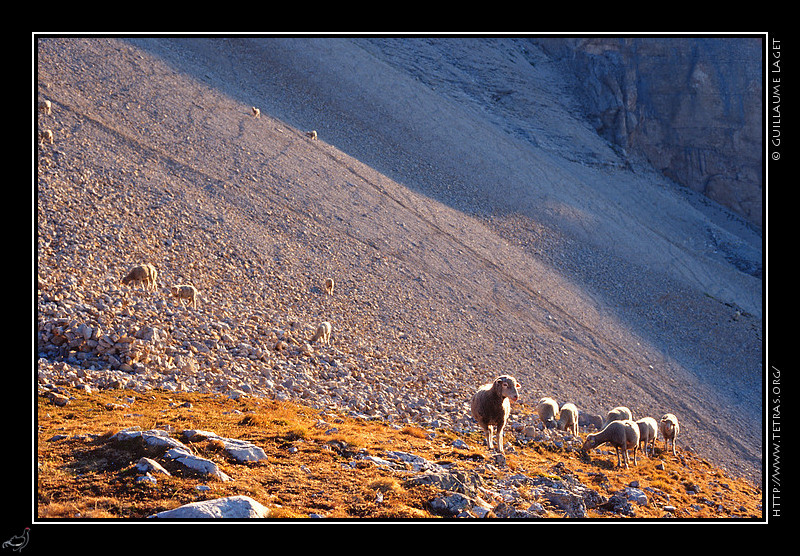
<point x="590" y="443"/>
<point x="507" y="387"/>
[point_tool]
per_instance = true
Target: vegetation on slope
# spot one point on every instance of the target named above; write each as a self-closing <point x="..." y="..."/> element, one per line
<point x="313" y="465"/>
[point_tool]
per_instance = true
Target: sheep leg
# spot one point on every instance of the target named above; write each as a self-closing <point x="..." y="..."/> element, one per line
<point x="500" y="439"/>
<point x="487" y="432"/>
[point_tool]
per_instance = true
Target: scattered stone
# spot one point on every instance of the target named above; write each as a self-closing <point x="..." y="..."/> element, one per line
<point x="240" y="450"/>
<point x="635" y="495"/>
<point x="58" y="399"/>
<point x="451" y="504"/>
<point x="146" y="478"/>
<point x="507" y="511"/>
<point x="174" y="449"/>
<point x="456" y="481"/>
<point x="416" y="463"/>
<point x="147" y="465"/>
<point x="619" y="503"/>
<point x="231" y="507"/>
<point x="197" y="463"/>
<point x="569" y="502"/>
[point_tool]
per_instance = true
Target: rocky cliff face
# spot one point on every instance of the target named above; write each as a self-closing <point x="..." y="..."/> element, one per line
<point x="692" y="106"/>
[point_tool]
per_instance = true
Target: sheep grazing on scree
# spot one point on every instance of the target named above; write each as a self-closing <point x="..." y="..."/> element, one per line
<point x="568" y="418"/>
<point x="622" y="434"/>
<point x="323" y="333"/>
<point x="619" y="413"/>
<point x="547" y="410"/>
<point x="144" y="274"/>
<point x="669" y="430"/>
<point x="491" y="406"/>
<point x="648" y="428"/>
<point x="329" y="283"/>
<point x="185" y="292"/>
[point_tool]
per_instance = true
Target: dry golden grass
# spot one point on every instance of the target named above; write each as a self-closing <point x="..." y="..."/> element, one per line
<point x="311" y="465"/>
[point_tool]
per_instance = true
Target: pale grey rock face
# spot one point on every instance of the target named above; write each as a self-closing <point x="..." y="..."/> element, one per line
<point x="692" y="106"/>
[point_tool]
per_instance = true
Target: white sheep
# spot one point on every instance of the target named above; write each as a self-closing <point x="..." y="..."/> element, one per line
<point x="185" y="292"/>
<point x="323" y="333"/>
<point x="144" y="274"/>
<point x="568" y="418"/>
<point x="329" y="284"/>
<point x="619" y="413"/>
<point x="622" y="434"/>
<point x="46" y="106"/>
<point x="648" y="428"/>
<point x="311" y="134"/>
<point x="547" y="410"/>
<point x="491" y="406"/>
<point x="153" y="275"/>
<point x="46" y="137"/>
<point x="256" y="112"/>
<point x="669" y="430"/>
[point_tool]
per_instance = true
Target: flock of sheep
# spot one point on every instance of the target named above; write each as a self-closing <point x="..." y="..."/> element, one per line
<point x="147" y="275"/>
<point x="491" y="406"/>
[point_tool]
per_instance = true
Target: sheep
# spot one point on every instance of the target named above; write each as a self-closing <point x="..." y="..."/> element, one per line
<point x="491" y="406"/>
<point x="590" y="420"/>
<point x="568" y="418"/>
<point x="187" y="292"/>
<point x="46" y="137"/>
<point x="669" y="430"/>
<point x="311" y="134"/>
<point x="144" y="274"/>
<point x="622" y="434"/>
<point x="647" y="433"/>
<point x="323" y="333"/>
<point x="256" y="112"/>
<point x="619" y="413"/>
<point x="153" y="275"/>
<point x="46" y="106"/>
<point x="329" y="283"/>
<point x="547" y="410"/>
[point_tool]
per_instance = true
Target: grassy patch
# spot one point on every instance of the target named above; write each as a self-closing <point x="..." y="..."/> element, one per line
<point x="312" y="465"/>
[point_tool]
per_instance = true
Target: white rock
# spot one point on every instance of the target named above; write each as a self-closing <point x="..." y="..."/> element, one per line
<point x="232" y="507"/>
<point x="240" y="450"/>
<point x="145" y="465"/>
<point x="202" y="465"/>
